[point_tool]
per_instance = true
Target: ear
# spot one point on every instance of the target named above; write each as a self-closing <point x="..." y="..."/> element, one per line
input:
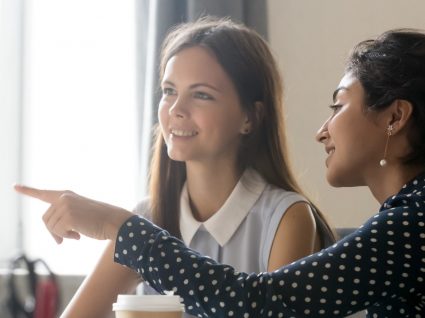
<point x="400" y="112"/>
<point x="256" y="117"/>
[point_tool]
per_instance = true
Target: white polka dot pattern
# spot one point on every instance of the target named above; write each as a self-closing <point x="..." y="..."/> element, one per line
<point x="380" y="267"/>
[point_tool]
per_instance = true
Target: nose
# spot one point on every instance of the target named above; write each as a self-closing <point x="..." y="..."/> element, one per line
<point x="178" y="108"/>
<point x="323" y="134"/>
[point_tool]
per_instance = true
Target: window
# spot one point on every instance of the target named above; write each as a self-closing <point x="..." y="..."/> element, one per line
<point x="10" y="112"/>
<point x="79" y="123"/>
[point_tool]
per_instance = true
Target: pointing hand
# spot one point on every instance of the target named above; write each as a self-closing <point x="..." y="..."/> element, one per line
<point x="70" y="215"/>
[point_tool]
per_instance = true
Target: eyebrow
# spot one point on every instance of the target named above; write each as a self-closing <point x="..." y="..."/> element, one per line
<point x="194" y="85"/>
<point x="337" y="90"/>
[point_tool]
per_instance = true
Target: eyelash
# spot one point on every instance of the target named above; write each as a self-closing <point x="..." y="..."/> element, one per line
<point x="335" y="108"/>
<point x="203" y="96"/>
<point x="168" y="91"/>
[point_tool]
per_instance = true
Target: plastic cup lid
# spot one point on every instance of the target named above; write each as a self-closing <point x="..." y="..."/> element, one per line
<point x="148" y="303"/>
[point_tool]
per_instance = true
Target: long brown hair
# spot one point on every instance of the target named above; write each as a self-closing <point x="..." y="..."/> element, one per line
<point x="247" y="60"/>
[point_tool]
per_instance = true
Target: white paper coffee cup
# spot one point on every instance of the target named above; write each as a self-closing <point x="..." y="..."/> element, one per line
<point x="144" y="306"/>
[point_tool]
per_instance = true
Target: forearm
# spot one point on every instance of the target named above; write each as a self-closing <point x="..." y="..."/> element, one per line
<point x="100" y="288"/>
<point x="338" y="281"/>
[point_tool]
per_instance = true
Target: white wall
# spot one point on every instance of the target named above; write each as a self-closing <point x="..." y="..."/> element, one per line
<point x="311" y="40"/>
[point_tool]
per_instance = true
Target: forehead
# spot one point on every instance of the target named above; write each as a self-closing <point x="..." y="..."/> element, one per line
<point x="195" y="62"/>
<point x="349" y="84"/>
<point x="348" y="80"/>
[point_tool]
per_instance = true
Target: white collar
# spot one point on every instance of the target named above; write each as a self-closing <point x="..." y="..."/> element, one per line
<point x="223" y="224"/>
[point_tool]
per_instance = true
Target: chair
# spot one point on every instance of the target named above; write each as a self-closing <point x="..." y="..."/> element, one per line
<point x="344" y="231"/>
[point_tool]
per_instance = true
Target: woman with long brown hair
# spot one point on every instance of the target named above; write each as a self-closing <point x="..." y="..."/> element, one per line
<point x="220" y="175"/>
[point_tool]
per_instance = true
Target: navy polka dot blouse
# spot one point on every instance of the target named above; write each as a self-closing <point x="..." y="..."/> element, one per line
<point x="380" y="267"/>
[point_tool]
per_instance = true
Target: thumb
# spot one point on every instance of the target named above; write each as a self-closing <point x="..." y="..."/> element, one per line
<point x="48" y="196"/>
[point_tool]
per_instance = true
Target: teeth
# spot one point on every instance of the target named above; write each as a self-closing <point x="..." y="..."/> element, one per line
<point x="332" y="151"/>
<point x="183" y="133"/>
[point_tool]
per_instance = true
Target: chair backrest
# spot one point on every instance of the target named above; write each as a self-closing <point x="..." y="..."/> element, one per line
<point x="344" y="231"/>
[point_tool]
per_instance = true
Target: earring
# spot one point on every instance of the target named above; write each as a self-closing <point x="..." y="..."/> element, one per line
<point x="383" y="161"/>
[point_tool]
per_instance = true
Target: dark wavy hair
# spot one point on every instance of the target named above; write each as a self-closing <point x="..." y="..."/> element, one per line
<point x="392" y="67"/>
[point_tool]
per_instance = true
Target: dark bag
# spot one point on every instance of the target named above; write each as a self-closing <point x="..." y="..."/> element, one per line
<point x="31" y="295"/>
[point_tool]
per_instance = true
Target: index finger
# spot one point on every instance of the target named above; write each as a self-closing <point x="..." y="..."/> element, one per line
<point x="48" y="196"/>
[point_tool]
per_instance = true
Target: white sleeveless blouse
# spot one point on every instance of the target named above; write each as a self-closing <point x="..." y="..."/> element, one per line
<point x="241" y="233"/>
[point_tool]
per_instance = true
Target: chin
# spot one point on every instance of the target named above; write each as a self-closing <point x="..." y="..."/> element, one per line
<point x="176" y="156"/>
<point x="342" y="182"/>
<point x="334" y="183"/>
<point x="335" y="179"/>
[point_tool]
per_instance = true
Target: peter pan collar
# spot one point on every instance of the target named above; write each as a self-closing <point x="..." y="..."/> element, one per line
<point x="223" y="224"/>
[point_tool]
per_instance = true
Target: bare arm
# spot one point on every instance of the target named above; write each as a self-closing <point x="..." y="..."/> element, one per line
<point x="295" y="237"/>
<point x="100" y="288"/>
<point x="70" y="215"/>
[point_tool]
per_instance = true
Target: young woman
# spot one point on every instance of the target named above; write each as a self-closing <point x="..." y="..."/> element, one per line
<point x="374" y="137"/>
<point x="220" y="178"/>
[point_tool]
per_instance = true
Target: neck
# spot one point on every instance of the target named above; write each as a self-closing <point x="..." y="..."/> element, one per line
<point x="209" y="187"/>
<point x="391" y="180"/>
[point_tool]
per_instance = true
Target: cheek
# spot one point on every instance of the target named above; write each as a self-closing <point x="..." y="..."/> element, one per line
<point x="163" y="118"/>
<point x="163" y="115"/>
<point x="219" y="125"/>
<point x="339" y="127"/>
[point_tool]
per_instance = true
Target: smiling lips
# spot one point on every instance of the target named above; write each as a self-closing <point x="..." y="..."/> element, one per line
<point x="330" y="152"/>
<point x="183" y="133"/>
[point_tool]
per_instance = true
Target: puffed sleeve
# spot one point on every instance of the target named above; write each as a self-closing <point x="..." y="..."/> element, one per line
<point x="365" y="268"/>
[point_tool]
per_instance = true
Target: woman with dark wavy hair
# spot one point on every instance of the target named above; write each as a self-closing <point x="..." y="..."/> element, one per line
<point x="375" y="137"/>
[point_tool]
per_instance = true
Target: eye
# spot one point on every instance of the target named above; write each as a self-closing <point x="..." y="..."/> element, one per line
<point x="335" y="108"/>
<point x="203" y="96"/>
<point x="167" y="91"/>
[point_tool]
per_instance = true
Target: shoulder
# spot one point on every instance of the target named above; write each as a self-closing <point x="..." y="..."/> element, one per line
<point x="274" y="198"/>
<point x="407" y="217"/>
<point x="403" y="225"/>
<point x="408" y="208"/>
<point x="271" y="201"/>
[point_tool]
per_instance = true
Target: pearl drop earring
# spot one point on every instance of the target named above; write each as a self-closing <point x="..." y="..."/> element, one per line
<point x="383" y="161"/>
